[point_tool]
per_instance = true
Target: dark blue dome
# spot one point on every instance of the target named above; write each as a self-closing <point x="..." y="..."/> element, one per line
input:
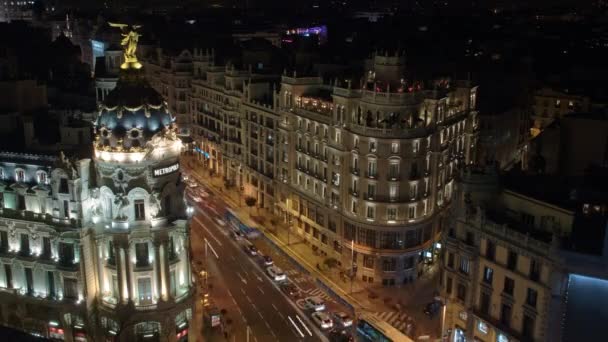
<point x="131" y="113"/>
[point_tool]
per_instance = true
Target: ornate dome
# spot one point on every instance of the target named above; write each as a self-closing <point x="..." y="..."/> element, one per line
<point x="132" y="114"/>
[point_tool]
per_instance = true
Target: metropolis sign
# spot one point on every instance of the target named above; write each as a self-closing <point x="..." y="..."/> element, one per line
<point x="162" y="171"/>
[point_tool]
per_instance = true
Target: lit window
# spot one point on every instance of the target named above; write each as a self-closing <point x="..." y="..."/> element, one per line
<point x="354" y="207"/>
<point x="372" y="146"/>
<point x="416" y="146"/>
<point x="20" y="175"/>
<point x="395" y="147"/>
<point x="412" y="212"/>
<point x="391" y="214"/>
<point x="140" y="213"/>
<point x="371" y="212"/>
<point x="42" y="177"/>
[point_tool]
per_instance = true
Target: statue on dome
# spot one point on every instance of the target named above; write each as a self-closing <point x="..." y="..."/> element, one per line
<point x="129" y="44"/>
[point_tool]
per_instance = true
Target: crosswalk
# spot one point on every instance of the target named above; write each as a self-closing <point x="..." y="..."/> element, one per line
<point x="399" y="320"/>
<point x="316" y="292"/>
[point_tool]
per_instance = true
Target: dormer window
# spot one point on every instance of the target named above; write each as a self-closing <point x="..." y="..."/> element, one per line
<point x="42" y="177"/>
<point x="19" y="175"/>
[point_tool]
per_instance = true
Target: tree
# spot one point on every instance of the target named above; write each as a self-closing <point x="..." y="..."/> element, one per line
<point x="250" y="201"/>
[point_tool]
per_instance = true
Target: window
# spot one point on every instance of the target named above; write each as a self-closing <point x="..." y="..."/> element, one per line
<point x="461" y="292"/>
<point x="395" y="147"/>
<point x="66" y="253"/>
<point x="448" y="285"/>
<point x="484" y="303"/>
<point x="389" y="264"/>
<point x="413" y="190"/>
<point x="371" y="211"/>
<point x="371" y="168"/>
<point x="450" y="260"/>
<point x="140" y="213"/>
<point x="42" y="177"/>
<point x="393" y="191"/>
<point x="1" y="173"/>
<point x="354" y="207"/>
<point x="512" y="261"/>
<point x="425" y="207"/>
<point x="482" y="327"/>
<point x="557" y="103"/>
<point x="408" y="263"/>
<point x="505" y="314"/>
<point x="464" y="265"/>
<point x="393" y="170"/>
<point x="144" y="290"/>
<point x="411" y="212"/>
<point x="416" y="146"/>
<point x="19" y="175"/>
<point x="46" y="248"/>
<point x="528" y="327"/>
<point x="534" y="270"/>
<point x="172" y="284"/>
<point x="509" y="286"/>
<point x="372" y="146"/>
<point x="531" y="297"/>
<point x="24" y="247"/>
<point x="368" y="261"/>
<point x="141" y="254"/>
<point x="63" y="186"/>
<point x="70" y="289"/>
<point x="391" y="214"/>
<point x="371" y="190"/>
<point x="488" y="273"/>
<point x="50" y="284"/>
<point x="490" y="250"/>
<point x="29" y="280"/>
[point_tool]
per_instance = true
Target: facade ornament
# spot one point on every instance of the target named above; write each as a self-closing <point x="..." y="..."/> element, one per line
<point x="155" y="206"/>
<point x="122" y="202"/>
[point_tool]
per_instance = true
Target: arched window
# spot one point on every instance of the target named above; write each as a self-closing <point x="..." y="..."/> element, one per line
<point x="19" y="175"/>
<point x="42" y="177"/>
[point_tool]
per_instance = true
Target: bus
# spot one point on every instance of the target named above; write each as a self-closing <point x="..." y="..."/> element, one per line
<point x="372" y="329"/>
<point x="235" y="223"/>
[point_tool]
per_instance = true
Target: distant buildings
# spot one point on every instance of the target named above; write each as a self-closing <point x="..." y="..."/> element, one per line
<point x="513" y="258"/>
<point x="550" y="105"/>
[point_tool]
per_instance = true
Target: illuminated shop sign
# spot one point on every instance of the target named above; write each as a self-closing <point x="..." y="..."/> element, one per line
<point x="162" y="171"/>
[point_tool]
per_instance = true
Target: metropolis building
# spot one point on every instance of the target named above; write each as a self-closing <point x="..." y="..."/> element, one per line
<point x="363" y="171"/>
<point x="98" y="249"/>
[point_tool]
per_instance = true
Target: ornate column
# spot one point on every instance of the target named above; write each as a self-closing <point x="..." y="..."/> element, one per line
<point x="163" y="271"/>
<point x="131" y="279"/>
<point x="156" y="272"/>
<point x="124" y="287"/>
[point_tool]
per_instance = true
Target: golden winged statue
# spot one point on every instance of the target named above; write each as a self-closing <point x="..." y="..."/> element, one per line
<point x="129" y="44"/>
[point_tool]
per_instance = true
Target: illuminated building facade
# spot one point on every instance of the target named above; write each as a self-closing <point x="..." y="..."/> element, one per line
<point x="368" y="166"/>
<point x="98" y="249"/>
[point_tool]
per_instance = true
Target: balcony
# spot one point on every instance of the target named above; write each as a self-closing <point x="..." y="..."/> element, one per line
<point x="353" y="192"/>
<point x="371" y="175"/>
<point x="394" y="178"/>
<point x="354" y="171"/>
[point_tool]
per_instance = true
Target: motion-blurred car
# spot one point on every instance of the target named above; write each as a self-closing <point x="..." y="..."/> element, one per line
<point x="251" y="250"/>
<point x="276" y="273"/>
<point x="196" y="199"/>
<point x="338" y="335"/>
<point x="314" y="303"/>
<point x="342" y="319"/>
<point x="290" y="289"/>
<point x="220" y="222"/>
<point x="322" y="319"/>
<point x="267" y="260"/>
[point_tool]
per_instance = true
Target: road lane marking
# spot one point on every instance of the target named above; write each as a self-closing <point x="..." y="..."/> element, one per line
<point x="304" y="325"/>
<point x="249" y="300"/>
<point x="259" y="288"/>
<point x="275" y="307"/>
<point x="261" y="316"/>
<point x="242" y="290"/>
<point x="207" y="230"/>
<point x="295" y="326"/>
<point x="212" y="249"/>
<point x="242" y="279"/>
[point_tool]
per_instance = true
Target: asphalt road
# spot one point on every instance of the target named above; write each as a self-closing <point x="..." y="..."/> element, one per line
<point x="261" y="306"/>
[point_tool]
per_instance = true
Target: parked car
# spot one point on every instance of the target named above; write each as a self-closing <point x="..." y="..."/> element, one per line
<point x="338" y="335"/>
<point x="203" y="193"/>
<point x="220" y="222"/>
<point x="196" y="199"/>
<point x="314" y="303"/>
<point x="322" y="319"/>
<point x="276" y="273"/>
<point x="236" y="235"/>
<point x="267" y="260"/>
<point x="342" y="319"/>
<point x="290" y="289"/>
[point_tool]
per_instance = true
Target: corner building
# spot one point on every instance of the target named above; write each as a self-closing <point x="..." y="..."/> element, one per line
<point x="98" y="249"/>
<point x="373" y="168"/>
<point x="368" y="164"/>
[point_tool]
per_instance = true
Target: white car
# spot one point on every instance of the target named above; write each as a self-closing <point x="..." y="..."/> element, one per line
<point x="322" y="319"/>
<point x="314" y="303"/>
<point x="276" y="273"/>
<point x="197" y="199"/>
<point x="343" y="319"/>
<point x="203" y="193"/>
<point x="220" y="222"/>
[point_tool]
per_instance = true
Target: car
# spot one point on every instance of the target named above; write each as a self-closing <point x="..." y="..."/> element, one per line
<point x="338" y="335"/>
<point x="267" y="260"/>
<point x="276" y="273"/>
<point x="220" y="222"/>
<point x="314" y="303"/>
<point x="343" y="319"/>
<point x="290" y="289"/>
<point x="237" y="235"/>
<point x="203" y="193"/>
<point x="251" y="250"/>
<point x="196" y="199"/>
<point x="322" y="319"/>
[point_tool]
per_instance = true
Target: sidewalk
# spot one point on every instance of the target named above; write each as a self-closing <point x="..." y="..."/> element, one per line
<point x="408" y="299"/>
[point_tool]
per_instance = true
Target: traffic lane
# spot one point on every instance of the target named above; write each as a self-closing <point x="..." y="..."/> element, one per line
<point x="257" y="297"/>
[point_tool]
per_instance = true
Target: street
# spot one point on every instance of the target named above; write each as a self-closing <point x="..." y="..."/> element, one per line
<point x="260" y="304"/>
